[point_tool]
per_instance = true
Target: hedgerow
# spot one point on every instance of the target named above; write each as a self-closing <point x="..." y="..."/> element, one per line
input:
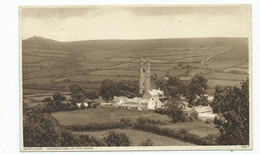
<point x="182" y="134"/>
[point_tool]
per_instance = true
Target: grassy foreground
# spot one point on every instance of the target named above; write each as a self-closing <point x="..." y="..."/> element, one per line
<point x="136" y="136"/>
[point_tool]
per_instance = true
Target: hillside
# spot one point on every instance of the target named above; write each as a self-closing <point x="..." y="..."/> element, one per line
<point x="49" y="64"/>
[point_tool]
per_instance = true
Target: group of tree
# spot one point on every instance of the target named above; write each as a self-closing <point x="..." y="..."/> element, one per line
<point x="233" y="103"/>
<point x="40" y="129"/>
<point x="78" y="94"/>
<point x="192" y="90"/>
<point x="175" y="110"/>
<point x="56" y="103"/>
<point x="109" y="89"/>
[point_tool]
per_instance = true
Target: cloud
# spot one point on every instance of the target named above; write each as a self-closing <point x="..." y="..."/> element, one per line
<point x="70" y="24"/>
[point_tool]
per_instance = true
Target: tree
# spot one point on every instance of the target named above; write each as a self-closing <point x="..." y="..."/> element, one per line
<point x="202" y="100"/>
<point x="183" y="89"/>
<point x="57" y="96"/>
<point x="196" y="88"/>
<point x="108" y="90"/>
<point x="47" y="99"/>
<point x="42" y="130"/>
<point x="75" y="88"/>
<point x="117" y="139"/>
<point x="221" y="97"/>
<point x="160" y="83"/>
<point x="234" y="129"/>
<point x="78" y="95"/>
<point x="92" y="95"/>
<point x="127" y="88"/>
<point x="175" y="109"/>
<point x="173" y="87"/>
<point x="147" y="142"/>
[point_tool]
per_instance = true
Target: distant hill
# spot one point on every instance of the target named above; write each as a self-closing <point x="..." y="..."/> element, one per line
<point x="130" y="45"/>
<point x="89" y="62"/>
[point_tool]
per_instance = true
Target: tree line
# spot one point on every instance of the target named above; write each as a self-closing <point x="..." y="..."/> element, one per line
<point x="107" y="91"/>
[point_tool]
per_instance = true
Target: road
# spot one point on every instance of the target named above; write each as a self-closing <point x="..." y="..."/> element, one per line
<point x="205" y="60"/>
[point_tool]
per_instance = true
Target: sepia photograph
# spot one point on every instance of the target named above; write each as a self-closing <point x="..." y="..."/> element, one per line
<point x="147" y="77"/>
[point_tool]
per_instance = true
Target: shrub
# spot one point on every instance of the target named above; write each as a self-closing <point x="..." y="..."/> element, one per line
<point x="147" y="142"/>
<point x="210" y="139"/>
<point x="152" y="121"/>
<point x="182" y="133"/>
<point x="142" y="120"/>
<point x="162" y="111"/>
<point x="58" y="96"/>
<point x="126" y="122"/>
<point x="176" y="112"/>
<point x="47" y="99"/>
<point x="99" y="127"/>
<point x="117" y="139"/>
<point x="192" y="117"/>
<point x="57" y="103"/>
<point x="192" y="138"/>
<point x="93" y="104"/>
<point x="57" y="106"/>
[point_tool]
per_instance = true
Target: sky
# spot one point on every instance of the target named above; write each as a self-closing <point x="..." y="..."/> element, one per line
<point x="132" y="22"/>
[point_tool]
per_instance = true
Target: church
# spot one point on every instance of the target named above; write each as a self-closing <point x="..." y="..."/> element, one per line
<point x="151" y="98"/>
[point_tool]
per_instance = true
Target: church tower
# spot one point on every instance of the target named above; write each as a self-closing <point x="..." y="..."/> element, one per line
<point x="145" y="75"/>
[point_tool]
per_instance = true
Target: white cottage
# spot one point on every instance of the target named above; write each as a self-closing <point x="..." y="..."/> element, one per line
<point x="150" y="101"/>
<point x="204" y="112"/>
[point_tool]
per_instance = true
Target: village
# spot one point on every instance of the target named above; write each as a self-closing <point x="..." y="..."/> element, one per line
<point x="152" y="99"/>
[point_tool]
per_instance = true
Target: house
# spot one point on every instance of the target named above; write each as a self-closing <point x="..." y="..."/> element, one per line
<point x="150" y="101"/>
<point x="209" y="98"/>
<point x="204" y="112"/>
<point x="137" y="103"/>
<point x="85" y="103"/>
<point x="156" y="96"/>
<point x="105" y="104"/>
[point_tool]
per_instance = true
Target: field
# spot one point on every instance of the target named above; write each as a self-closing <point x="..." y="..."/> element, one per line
<point x="136" y="136"/>
<point x="104" y="115"/>
<point x="46" y="63"/>
<point x="199" y="128"/>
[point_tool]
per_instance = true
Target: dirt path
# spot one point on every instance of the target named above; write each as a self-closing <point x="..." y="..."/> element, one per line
<point x="205" y="60"/>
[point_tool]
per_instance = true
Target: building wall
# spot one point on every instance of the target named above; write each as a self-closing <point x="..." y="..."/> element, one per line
<point x="145" y="75"/>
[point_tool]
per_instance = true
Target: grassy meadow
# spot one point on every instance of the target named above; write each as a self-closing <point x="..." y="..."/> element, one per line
<point x="104" y="115"/>
<point x="200" y="128"/>
<point x="137" y="136"/>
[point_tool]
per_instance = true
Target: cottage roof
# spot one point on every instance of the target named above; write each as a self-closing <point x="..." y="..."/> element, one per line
<point x="155" y="92"/>
<point x="137" y="100"/>
<point x="210" y="98"/>
<point x="116" y="99"/>
<point x="201" y="109"/>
